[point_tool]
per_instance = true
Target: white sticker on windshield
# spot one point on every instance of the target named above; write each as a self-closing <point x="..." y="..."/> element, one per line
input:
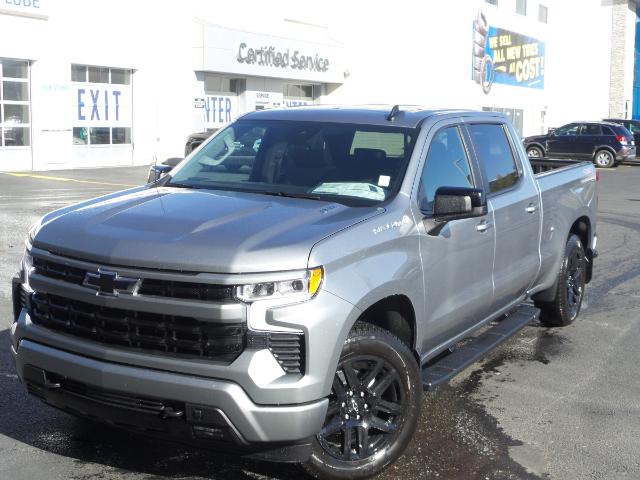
<point x="352" y="189"/>
<point x="383" y="180"/>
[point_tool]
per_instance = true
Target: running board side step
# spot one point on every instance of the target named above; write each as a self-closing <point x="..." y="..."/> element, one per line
<point x="443" y="370"/>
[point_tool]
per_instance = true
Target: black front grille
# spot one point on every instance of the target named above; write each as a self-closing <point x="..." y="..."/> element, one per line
<point x="59" y="271"/>
<point x="150" y="286"/>
<point x="187" y="290"/>
<point x="139" y="330"/>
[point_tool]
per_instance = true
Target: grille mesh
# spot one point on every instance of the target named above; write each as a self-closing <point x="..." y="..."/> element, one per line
<point x="139" y="330"/>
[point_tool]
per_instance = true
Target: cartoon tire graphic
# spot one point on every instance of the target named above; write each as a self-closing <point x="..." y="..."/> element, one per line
<point x="487" y="74"/>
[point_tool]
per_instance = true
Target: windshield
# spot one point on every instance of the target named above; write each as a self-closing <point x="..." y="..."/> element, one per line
<point x="351" y="164"/>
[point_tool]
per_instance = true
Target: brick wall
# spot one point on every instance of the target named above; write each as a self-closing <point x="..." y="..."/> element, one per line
<point x="620" y="76"/>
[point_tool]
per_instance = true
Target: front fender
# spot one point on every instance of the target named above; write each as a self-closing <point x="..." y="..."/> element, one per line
<point x="374" y="260"/>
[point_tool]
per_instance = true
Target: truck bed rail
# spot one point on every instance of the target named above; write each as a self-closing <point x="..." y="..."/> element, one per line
<point x="542" y="165"/>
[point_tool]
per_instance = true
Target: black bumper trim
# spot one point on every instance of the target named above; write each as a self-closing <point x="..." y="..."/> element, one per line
<point x="195" y="425"/>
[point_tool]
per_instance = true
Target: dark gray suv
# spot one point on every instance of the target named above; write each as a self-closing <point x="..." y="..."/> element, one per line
<point x="604" y="143"/>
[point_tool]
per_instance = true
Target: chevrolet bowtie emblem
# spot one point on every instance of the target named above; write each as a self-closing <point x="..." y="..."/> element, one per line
<point x="111" y="284"/>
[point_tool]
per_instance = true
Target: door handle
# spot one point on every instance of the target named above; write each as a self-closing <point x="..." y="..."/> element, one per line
<point x="531" y="208"/>
<point x="483" y="227"/>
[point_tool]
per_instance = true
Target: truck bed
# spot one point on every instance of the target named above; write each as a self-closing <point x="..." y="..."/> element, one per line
<point x="543" y="165"/>
<point x="568" y="191"/>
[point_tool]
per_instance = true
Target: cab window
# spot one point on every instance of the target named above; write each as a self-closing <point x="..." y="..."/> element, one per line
<point x="447" y="165"/>
<point x="495" y="155"/>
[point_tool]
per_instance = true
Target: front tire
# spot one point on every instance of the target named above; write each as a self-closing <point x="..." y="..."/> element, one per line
<point x="565" y="307"/>
<point x="373" y="410"/>
<point x="604" y="159"/>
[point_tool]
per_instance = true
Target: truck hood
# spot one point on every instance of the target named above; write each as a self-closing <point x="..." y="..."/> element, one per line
<point x="196" y="230"/>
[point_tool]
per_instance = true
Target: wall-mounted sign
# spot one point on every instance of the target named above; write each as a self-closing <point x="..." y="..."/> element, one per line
<point x="199" y="102"/>
<point x="99" y="104"/>
<point x="238" y="52"/>
<point x="285" y="59"/>
<point x="219" y="110"/>
<point x="25" y="8"/>
<point x="506" y="57"/>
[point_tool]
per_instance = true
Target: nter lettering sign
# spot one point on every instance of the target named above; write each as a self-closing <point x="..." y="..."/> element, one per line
<point x="219" y="110"/>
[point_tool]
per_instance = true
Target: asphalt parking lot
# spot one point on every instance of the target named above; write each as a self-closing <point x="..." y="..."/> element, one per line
<point x="551" y="403"/>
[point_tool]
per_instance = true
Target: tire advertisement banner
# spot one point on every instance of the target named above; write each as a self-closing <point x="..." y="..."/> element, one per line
<point x="506" y="57"/>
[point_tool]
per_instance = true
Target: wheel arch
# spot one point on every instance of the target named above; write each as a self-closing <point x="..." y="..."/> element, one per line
<point x="395" y="314"/>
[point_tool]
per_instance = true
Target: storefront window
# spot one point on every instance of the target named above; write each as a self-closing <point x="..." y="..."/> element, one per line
<point x="98" y="75"/>
<point x="219" y="84"/>
<point x="103" y="110"/>
<point x="543" y="13"/>
<point x="297" y="94"/>
<point x="15" y="118"/>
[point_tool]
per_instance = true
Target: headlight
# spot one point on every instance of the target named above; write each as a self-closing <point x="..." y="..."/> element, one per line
<point x="302" y="288"/>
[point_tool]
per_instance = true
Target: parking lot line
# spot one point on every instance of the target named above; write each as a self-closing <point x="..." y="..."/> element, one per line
<point x="64" y="179"/>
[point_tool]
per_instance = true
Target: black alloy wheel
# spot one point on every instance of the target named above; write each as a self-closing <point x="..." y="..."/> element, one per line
<point x="575" y="281"/>
<point x="373" y="410"/>
<point x="366" y="409"/>
<point x="570" y="286"/>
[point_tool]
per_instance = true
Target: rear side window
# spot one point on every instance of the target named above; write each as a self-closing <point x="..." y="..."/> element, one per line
<point x="447" y="165"/>
<point x="607" y="131"/>
<point x="495" y="155"/>
<point x="591" y="129"/>
<point x="571" y="129"/>
<point x="392" y="144"/>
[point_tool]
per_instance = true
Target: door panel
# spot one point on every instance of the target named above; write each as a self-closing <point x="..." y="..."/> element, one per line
<point x="562" y="142"/>
<point x="514" y="201"/>
<point x="590" y="135"/>
<point x="458" y="261"/>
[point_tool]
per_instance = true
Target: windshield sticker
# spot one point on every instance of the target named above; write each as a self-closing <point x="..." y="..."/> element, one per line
<point x="363" y="190"/>
<point x="383" y="180"/>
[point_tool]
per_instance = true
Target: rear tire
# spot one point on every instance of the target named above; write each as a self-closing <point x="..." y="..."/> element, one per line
<point x="374" y="407"/>
<point x="604" y="159"/>
<point x="565" y="307"/>
<point x="535" y="152"/>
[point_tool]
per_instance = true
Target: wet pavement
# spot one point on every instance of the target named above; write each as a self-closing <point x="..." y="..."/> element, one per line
<point x="550" y="403"/>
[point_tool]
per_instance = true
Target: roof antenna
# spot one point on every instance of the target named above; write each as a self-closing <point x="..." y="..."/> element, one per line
<point x="394" y="111"/>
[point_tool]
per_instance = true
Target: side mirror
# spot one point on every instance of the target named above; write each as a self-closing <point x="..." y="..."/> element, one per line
<point x="551" y="131"/>
<point x="453" y="203"/>
<point x="158" y="171"/>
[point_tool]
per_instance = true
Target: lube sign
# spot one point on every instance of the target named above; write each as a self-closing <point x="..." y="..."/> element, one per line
<point x="25" y="8"/>
<point x="271" y="57"/>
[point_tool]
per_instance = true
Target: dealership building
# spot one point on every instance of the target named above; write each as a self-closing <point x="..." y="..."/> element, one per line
<point x="115" y="83"/>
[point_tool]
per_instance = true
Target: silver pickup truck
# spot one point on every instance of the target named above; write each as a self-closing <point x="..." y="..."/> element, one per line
<point x="294" y="308"/>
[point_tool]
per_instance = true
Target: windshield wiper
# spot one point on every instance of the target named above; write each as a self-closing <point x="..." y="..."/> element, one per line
<point x="290" y="195"/>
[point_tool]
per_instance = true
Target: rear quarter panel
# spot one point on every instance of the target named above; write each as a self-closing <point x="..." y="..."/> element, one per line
<point x="567" y="194"/>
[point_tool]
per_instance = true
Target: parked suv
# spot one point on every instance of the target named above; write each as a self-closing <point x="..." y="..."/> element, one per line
<point x="633" y="126"/>
<point x="604" y="143"/>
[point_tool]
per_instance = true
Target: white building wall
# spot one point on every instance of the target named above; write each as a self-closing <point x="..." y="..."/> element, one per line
<point x="402" y="52"/>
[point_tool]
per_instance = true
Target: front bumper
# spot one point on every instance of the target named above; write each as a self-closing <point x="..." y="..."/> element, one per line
<point x="201" y="411"/>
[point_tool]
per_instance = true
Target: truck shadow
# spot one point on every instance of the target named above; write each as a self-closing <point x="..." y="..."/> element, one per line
<point x="456" y="437"/>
